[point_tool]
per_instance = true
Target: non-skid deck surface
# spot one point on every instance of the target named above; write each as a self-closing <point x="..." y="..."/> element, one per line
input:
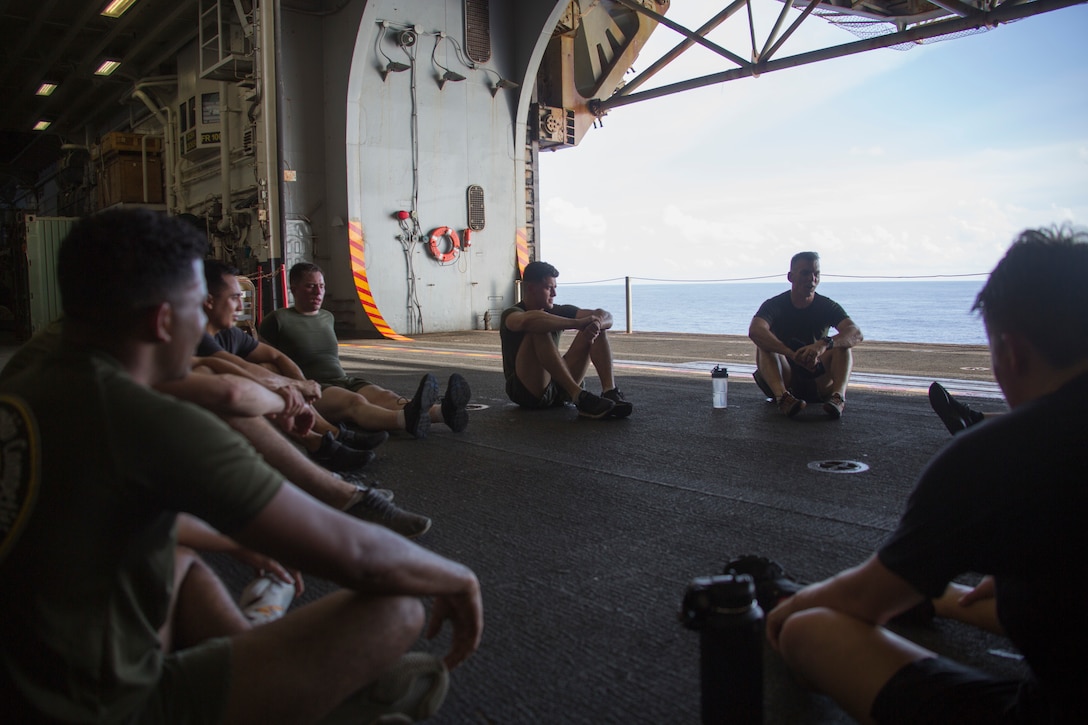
<point x="584" y="533"/>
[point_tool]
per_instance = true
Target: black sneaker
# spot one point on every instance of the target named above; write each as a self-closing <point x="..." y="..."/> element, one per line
<point x="377" y="509"/>
<point x="336" y="456"/>
<point x="772" y="584"/>
<point x="955" y="415"/>
<point x="620" y="408"/>
<point x="455" y="402"/>
<point x="361" y="440"/>
<point x="593" y="406"/>
<point x="417" y="414"/>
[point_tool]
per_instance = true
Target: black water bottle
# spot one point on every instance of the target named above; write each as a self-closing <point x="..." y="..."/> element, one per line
<point x="724" y="611"/>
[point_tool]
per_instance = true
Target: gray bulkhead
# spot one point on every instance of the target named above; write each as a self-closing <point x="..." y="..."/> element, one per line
<point x="365" y="142"/>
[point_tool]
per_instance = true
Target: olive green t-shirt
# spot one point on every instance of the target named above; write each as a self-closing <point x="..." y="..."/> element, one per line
<point x="309" y="340"/>
<point x="95" y="468"/>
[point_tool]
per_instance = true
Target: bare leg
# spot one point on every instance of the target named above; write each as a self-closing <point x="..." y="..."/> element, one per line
<point x="382" y="397"/>
<point x="775" y="369"/>
<point x="845" y="658"/>
<point x="295" y="467"/>
<point x="339" y="405"/>
<point x="539" y="362"/>
<point x="299" y="668"/>
<point x="200" y="606"/>
<point x="839" y="363"/>
<point x="600" y="353"/>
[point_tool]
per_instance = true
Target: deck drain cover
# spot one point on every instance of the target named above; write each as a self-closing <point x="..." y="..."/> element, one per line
<point x="838" y="466"/>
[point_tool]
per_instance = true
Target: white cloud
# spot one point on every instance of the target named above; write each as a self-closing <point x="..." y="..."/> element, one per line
<point x="880" y="177"/>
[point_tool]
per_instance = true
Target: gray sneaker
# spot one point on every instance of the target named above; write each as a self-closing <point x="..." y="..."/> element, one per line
<point x="377" y="509"/>
<point x="411" y="690"/>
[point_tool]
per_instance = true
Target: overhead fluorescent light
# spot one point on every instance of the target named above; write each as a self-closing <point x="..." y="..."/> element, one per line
<point x="117" y="8"/>
<point x="42" y="125"/>
<point x="107" y="67"/>
<point x="46" y="89"/>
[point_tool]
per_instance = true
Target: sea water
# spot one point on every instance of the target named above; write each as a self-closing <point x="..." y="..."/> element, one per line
<point x="889" y="311"/>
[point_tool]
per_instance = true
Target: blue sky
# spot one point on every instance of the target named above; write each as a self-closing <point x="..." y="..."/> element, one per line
<point x="897" y="163"/>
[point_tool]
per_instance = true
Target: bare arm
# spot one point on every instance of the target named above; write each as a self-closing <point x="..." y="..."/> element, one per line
<point x="537" y="321"/>
<point x="847" y="334"/>
<point x="296" y="393"/>
<point x="265" y="354"/>
<point x="759" y="332"/>
<point x="297" y="529"/>
<point x="225" y="394"/>
<point x="197" y="534"/>
<point x="870" y="592"/>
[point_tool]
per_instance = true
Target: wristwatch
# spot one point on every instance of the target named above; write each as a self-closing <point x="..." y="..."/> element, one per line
<point x="830" y="342"/>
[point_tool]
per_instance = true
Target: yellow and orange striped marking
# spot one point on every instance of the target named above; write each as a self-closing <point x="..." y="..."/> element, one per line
<point x="522" y="242"/>
<point x="362" y="284"/>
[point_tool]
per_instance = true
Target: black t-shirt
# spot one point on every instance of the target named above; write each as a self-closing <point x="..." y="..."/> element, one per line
<point x="797" y="328"/>
<point x="232" y="339"/>
<point x="1010" y="498"/>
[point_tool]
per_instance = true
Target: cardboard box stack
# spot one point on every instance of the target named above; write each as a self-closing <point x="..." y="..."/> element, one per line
<point x="121" y="169"/>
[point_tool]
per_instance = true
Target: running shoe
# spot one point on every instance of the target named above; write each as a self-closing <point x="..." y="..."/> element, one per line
<point x="335" y="456"/>
<point x="377" y="509"/>
<point x="417" y="414"/>
<point x="834" y="406"/>
<point x="593" y="406"/>
<point x="955" y="415"/>
<point x="455" y="403"/>
<point x="620" y="408"/>
<point x="411" y="690"/>
<point x="790" y="406"/>
<point x="361" y="440"/>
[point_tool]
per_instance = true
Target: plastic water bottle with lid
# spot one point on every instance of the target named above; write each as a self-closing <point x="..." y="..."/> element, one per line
<point x="719" y="377"/>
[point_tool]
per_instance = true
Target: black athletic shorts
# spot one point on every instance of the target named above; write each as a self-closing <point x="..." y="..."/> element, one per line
<point x="938" y="690"/>
<point x="552" y="397"/>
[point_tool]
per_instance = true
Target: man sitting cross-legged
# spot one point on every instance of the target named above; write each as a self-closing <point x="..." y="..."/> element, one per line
<point x="304" y="333"/>
<point x="537" y="375"/>
<point x="99" y="620"/>
<point x="797" y="361"/>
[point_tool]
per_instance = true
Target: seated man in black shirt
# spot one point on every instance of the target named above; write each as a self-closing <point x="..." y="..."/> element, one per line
<point x="1008" y="499"/>
<point x="797" y="362"/>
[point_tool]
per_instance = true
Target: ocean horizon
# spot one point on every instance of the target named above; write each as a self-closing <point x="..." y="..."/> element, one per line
<point x="937" y="311"/>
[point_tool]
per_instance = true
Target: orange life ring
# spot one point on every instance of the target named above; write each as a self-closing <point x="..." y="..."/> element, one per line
<point x="455" y="244"/>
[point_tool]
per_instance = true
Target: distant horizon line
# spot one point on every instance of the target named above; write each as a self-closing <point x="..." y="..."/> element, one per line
<point x="772" y="277"/>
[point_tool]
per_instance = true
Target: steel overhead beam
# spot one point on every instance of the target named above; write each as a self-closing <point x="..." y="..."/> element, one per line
<point x="676" y="52"/>
<point x="1003" y="14"/>
<point x="632" y="5"/>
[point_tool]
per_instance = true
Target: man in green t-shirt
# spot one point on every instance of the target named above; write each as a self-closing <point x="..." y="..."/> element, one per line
<point x="305" y="334"/>
<point x="102" y="617"/>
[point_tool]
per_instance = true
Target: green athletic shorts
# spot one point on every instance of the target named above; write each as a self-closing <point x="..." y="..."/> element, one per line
<point x="348" y="382"/>
<point x="193" y="687"/>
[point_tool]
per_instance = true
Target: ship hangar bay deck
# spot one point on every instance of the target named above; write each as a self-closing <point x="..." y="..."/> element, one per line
<point x="584" y="534"/>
